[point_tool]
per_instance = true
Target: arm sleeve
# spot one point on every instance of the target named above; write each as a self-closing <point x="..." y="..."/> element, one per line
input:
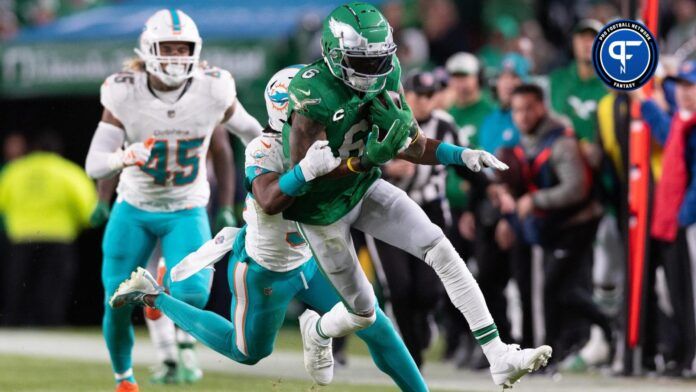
<point x="571" y="189"/>
<point x="243" y="125"/>
<point x="657" y="119"/>
<point x="104" y="158"/>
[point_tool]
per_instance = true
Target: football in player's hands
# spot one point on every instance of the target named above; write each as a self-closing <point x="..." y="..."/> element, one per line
<point x="396" y="98"/>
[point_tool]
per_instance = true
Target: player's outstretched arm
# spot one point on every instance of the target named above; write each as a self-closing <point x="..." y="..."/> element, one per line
<point x="436" y="152"/>
<point x="106" y="156"/>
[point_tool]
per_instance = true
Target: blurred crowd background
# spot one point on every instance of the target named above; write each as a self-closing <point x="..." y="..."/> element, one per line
<point x="546" y="240"/>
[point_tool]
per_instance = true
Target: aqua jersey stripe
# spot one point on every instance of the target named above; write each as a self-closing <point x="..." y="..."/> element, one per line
<point x="176" y="23"/>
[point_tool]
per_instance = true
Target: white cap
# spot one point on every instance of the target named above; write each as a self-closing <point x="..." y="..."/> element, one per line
<point x="277" y="98"/>
<point x="462" y="63"/>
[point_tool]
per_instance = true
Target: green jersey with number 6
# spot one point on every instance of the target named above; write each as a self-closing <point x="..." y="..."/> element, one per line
<point x="315" y="93"/>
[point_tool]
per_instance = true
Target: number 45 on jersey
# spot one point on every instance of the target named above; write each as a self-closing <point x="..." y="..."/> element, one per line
<point x="186" y="158"/>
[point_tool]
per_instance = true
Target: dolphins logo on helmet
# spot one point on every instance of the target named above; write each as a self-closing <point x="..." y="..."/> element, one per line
<point x="277" y="97"/>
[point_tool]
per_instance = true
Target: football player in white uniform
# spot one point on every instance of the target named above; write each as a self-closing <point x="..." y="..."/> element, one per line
<point x="155" y="130"/>
<point x="175" y="348"/>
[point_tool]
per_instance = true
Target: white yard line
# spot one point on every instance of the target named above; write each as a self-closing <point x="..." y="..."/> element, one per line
<point x="288" y="365"/>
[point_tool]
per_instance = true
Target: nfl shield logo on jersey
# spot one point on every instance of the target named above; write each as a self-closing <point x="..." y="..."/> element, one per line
<point x="171" y="113"/>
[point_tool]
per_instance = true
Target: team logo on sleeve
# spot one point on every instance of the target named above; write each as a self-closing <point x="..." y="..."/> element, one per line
<point x="625" y="54"/>
<point x="259" y="156"/>
<point x="302" y="104"/>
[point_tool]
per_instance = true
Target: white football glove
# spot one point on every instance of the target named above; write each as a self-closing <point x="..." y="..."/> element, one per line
<point x="135" y="154"/>
<point x="318" y="161"/>
<point x="476" y="159"/>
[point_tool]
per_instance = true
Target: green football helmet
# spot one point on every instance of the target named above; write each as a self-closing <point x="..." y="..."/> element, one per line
<point x="358" y="47"/>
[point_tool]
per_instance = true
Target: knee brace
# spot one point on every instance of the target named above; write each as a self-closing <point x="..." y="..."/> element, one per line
<point x="340" y="322"/>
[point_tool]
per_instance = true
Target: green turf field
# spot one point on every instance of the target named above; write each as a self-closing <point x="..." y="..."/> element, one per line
<point x="20" y="373"/>
<point x="288" y="339"/>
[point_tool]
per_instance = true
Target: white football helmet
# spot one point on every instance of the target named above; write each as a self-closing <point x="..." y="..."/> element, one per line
<point x="277" y="98"/>
<point x="165" y="26"/>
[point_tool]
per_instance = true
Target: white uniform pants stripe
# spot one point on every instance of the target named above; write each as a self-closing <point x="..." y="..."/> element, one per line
<point x="240" y="309"/>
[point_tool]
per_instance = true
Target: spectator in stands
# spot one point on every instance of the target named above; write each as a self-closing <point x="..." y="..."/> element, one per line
<point x="576" y="89"/>
<point x="442" y="27"/>
<point x="498" y="129"/>
<point x="470" y="105"/>
<point x="558" y="212"/>
<point x="674" y="209"/>
<point x="14" y="146"/>
<point x="684" y="30"/>
<point x="45" y="201"/>
<point x="9" y="25"/>
<point x="412" y="46"/>
<point x="504" y="31"/>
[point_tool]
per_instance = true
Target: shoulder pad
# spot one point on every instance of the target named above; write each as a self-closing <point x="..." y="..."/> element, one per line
<point x="265" y="151"/>
<point x="305" y="93"/>
<point x="222" y="86"/>
<point x="116" y="90"/>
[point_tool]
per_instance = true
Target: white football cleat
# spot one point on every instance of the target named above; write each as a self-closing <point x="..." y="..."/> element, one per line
<point x="189" y="370"/>
<point x="509" y="366"/>
<point x="318" y="358"/>
<point x="134" y="289"/>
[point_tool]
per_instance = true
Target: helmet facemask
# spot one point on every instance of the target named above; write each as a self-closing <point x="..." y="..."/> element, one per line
<point x="171" y="70"/>
<point x="364" y="70"/>
<point x="351" y="57"/>
<point x="167" y="26"/>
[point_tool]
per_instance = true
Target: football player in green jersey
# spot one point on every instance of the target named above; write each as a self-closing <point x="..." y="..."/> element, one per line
<point x="345" y="98"/>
